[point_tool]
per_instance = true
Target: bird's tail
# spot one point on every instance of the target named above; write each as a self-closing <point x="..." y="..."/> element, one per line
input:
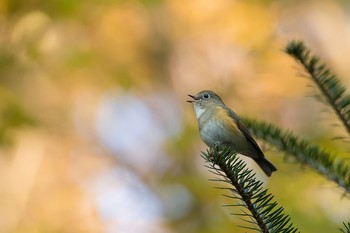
<point x="266" y="166"/>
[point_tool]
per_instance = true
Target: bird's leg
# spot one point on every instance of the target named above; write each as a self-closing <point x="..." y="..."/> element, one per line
<point x="224" y="148"/>
<point x="218" y="149"/>
<point x="213" y="149"/>
<point x="211" y="154"/>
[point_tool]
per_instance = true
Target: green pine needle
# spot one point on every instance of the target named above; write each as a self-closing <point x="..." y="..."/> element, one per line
<point x="346" y="228"/>
<point x="258" y="209"/>
<point x="322" y="161"/>
<point x="327" y="82"/>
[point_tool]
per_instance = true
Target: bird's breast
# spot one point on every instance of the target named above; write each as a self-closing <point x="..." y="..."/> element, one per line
<point x="216" y="126"/>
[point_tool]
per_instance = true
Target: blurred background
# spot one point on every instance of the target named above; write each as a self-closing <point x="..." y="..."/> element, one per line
<point x="95" y="131"/>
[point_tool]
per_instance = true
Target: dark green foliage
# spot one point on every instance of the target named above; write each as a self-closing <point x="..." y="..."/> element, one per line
<point x="346" y="228"/>
<point x="324" y="162"/>
<point x="12" y="116"/>
<point x="263" y="213"/>
<point x="329" y="85"/>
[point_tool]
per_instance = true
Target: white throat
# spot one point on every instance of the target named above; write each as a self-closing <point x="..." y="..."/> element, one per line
<point x="198" y="110"/>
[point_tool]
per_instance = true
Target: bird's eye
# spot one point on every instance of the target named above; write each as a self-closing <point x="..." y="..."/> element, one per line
<point x="206" y="96"/>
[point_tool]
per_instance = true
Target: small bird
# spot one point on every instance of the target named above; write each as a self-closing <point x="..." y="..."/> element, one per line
<point x="218" y="124"/>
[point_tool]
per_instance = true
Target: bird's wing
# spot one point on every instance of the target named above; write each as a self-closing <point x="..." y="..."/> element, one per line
<point x="245" y="131"/>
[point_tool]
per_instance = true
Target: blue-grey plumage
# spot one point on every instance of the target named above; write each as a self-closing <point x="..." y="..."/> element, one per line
<point x="218" y="124"/>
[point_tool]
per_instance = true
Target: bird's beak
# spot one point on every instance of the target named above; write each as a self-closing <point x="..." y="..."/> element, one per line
<point x="193" y="97"/>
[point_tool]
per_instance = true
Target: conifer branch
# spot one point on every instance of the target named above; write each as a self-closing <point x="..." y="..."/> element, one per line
<point x="304" y="152"/>
<point x="263" y="213"/>
<point x="327" y="82"/>
<point x="346" y="228"/>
